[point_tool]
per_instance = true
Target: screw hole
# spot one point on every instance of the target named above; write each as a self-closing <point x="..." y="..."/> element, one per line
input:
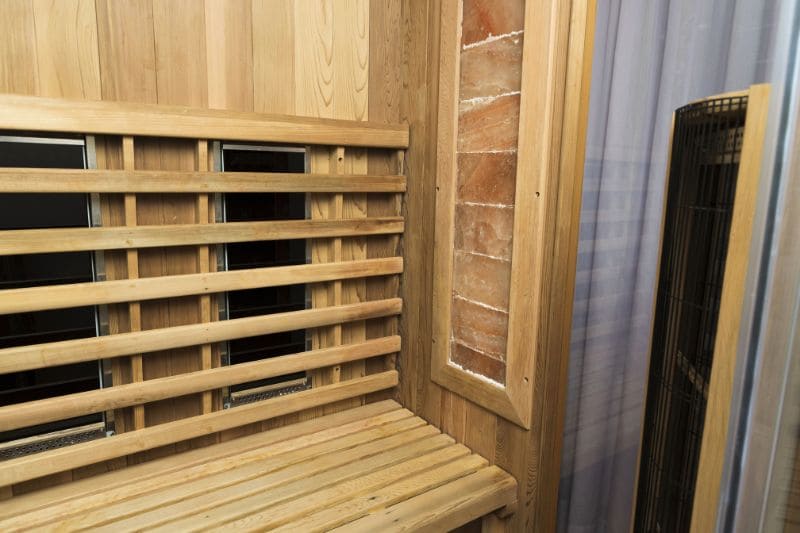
<point x="525" y="380"/>
<point x="537" y="194"/>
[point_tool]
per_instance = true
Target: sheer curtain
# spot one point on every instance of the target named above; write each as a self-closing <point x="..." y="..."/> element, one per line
<point x="650" y="57"/>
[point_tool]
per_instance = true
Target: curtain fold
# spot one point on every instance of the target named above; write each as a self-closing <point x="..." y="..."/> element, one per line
<point x="649" y="58"/>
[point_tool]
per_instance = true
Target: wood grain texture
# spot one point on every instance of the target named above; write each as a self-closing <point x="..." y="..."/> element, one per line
<point x="138" y="393"/>
<point x="147" y="52"/>
<point x="17" y="242"/>
<point x="105" y="292"/>
<point x="516" y="450"/>
<point x="19" y="180"/>
<point x="24" y="113"/>
<point x="378" y="465"/>
<point x="32" y="356"/>
<point x="737" y="261"/>
<point x="30" y="467"/>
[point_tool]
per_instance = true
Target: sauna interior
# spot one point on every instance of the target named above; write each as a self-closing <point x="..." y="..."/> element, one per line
<point x="399" y="265"/>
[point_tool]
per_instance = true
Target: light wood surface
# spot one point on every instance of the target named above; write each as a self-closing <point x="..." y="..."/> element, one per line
<point x="19" y="180"/>
<point x="105" y="292"/>
<point x="737" y="262"/>
<point x="83" y="403"/>
<point x="236" y="57"/>
<point x="18" y="112"/>
<point x="374" y="466"/>
<point x="33" y="241"/>
<point x="528" y="454"/>
<point x="42" y="464"/>
<point x="28" y="357"/>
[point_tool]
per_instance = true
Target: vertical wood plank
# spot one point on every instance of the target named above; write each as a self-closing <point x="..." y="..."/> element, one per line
<point x="66" y="43"/>
<point x="313" y="61"/>
<point x="18" y="59"/>
<point x="132" y="262"/>
<point x="229" y="53"/>
<point x="273" y="29"/>
<point x="127" y="50"/>
<point x="203" y="265"/>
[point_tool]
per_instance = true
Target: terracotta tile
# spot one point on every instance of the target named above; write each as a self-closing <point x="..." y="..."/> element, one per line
<point x="483" y="18"/>
<point x="484" y="229"/>
<point x="488" y="125"/>
<point x="487" y="178"/>
<point x="481" y="328"/>
<point x="478" y="362"/>
<point x="492" y="68"/>
<point x="481" y="279"/>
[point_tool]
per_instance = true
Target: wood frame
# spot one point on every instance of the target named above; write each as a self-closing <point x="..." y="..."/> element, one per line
<point x="538" y="160"/>
<point x="32" y="113"/>
<point x="737" y="263"/>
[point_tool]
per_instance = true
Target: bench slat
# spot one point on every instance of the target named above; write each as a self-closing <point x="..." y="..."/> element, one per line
<point x="64" y="500"/>
<point x="60" y="460"/>
<point x="187" y="510"/>
<point x="443" y="508"/>
<point x="389" y="471"/>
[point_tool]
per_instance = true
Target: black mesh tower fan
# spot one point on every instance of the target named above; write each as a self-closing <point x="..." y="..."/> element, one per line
<point x="712" y="178"/>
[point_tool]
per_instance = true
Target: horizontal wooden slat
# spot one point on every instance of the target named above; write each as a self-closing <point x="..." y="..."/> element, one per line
<point x="64" y="500"/>
<point x="34" y="241"/>
<point x="76" y="456"/>
<point x="446" y="507"/>
<point x="33" y="113"/>
<point x="106" y="292"/>
<point x="73" y="351"/>
<point x="38" y="180"/>
<point x="72" y="405"/>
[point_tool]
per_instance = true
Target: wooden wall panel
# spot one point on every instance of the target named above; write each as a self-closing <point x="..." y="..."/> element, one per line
<point x="291" y="56"/>
<point x="532" y="456"/>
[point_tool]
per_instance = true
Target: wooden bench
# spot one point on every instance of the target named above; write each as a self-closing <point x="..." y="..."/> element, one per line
<point x="372" y="468"/>
<point x="347" y="460"/>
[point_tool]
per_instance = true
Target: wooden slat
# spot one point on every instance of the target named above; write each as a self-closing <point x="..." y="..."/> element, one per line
<point x="60" y="353"/>
<point x="106" y="292"/>
<point x="212" y="499"/>
<point x="78" y="496"/>
<point x="42" y="464"/>
<point x="30" y="113"/>
<point x="203" y="266"/>
<point x="312" y="476"/>
<point x="33" y="241"/>
<point x="446" y="507"/>
<point x="72" y="405"/>
<point x="35" y="180"/>
<point x="272" y="516"/>
<point x="132" y="261"/>
<point x="384" y="487"/>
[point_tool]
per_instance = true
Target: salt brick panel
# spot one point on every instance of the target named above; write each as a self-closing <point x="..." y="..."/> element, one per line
<point x="486" y="18"/>
<point x="492" y="68"/>
<point x="478" y="362"/>
<point x="480" y="328"/>
<point x="482" y="279"/>
<point x="487" y="178"/>
<point x="484" y="229"/>
<point x="488" y="125"/>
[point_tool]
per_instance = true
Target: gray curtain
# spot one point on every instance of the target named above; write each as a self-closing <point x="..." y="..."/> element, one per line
<point x="650" y="57"/>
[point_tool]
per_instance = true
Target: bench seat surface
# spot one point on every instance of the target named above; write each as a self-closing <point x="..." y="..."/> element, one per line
<point x="371" y="468"/>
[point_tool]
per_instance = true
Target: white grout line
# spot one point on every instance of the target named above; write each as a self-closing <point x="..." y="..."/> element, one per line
<point x="480" y="304"/>
<point x="491" y="39"/>
<point x="480" y="204"/>
<point x="513" y="151"/>
<point x="482" y="99"/>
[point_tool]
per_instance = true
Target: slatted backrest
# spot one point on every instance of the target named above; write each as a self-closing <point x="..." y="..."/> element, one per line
<point x="339" y="225"/>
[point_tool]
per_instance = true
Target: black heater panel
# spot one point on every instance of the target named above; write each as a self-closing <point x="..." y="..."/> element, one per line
<point x="706" y="146"/>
